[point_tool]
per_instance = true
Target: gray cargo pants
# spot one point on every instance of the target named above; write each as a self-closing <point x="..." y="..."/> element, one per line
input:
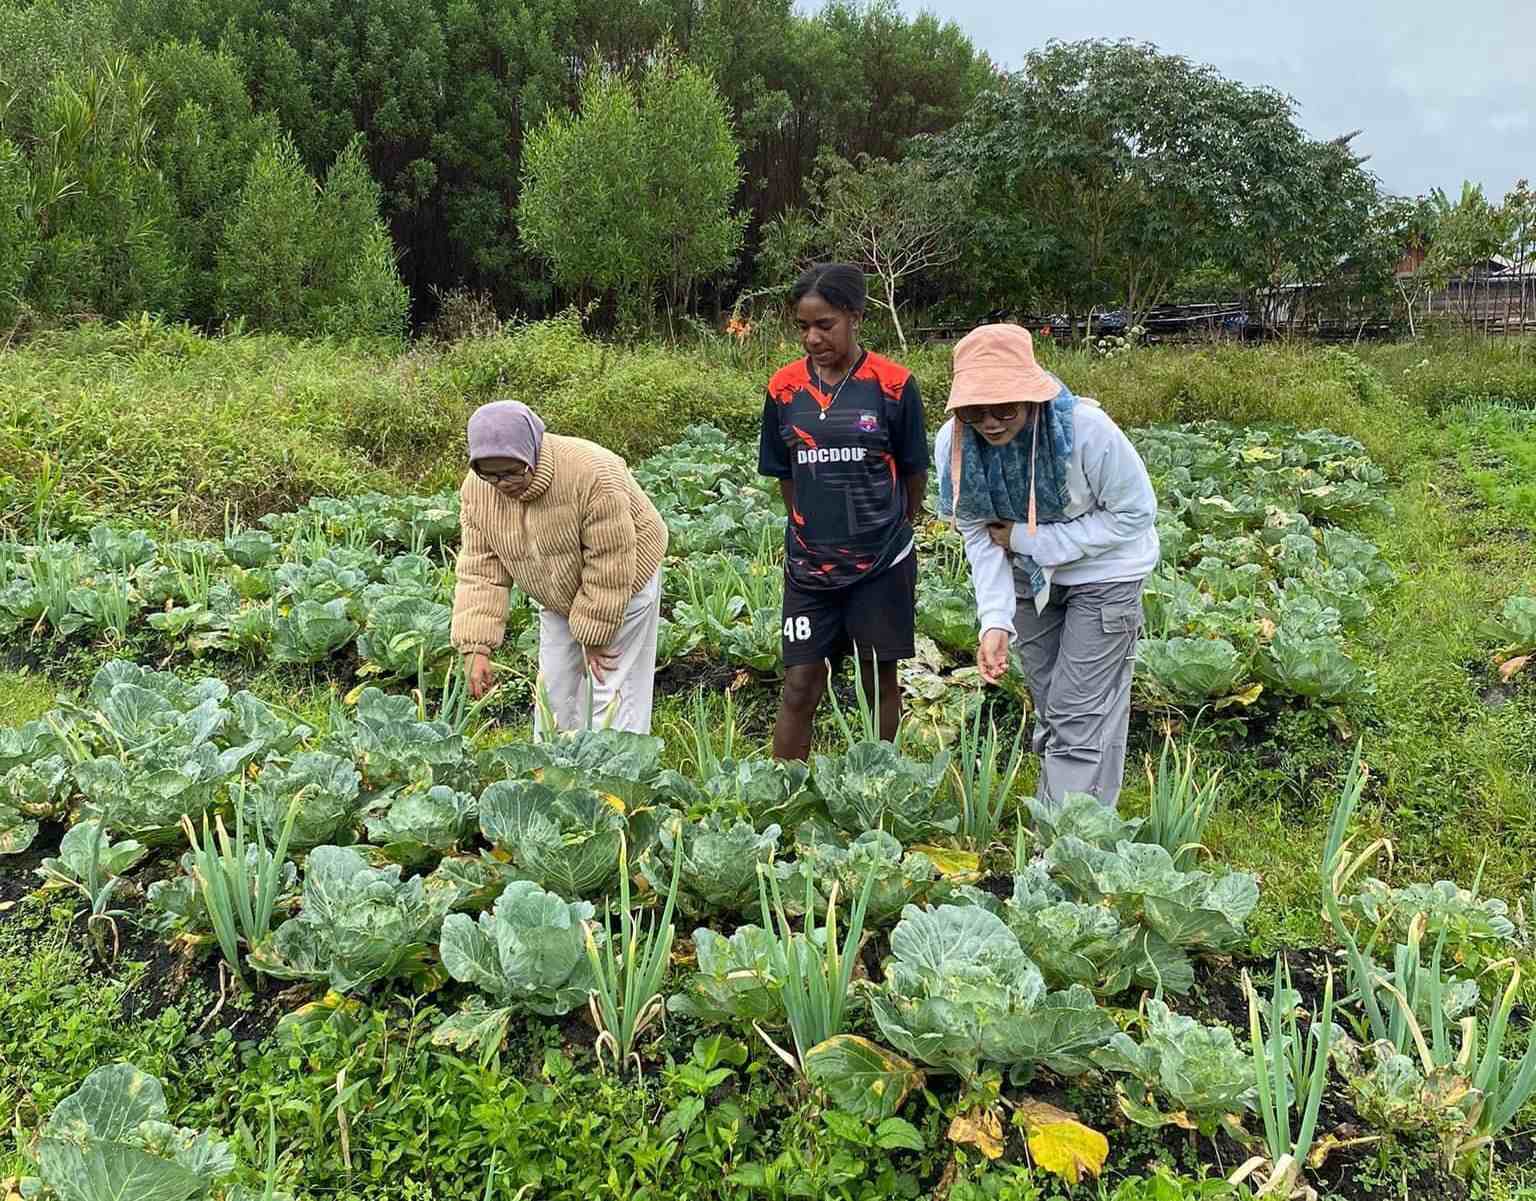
<point x="1078" y="654"/>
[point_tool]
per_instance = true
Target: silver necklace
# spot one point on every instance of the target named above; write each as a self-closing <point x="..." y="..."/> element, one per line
<point x="837" y="391"/>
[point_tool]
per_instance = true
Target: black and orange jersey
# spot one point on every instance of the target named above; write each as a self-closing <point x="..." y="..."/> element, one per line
<point x="847" y="450"/>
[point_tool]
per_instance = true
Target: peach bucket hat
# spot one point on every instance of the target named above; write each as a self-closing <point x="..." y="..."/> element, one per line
<point x="994" y="365"/>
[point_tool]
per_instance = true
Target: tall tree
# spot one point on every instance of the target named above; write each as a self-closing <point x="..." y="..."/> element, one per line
<point x="1468" y="233"/>
<point x="306" y="259"/>
<point x="444" y="94"/>
<point x="1110" y="168"/>
<point x="1520" y="219"/>
<point x="105" y="216"/>
<point x="635" y="188"/>
<point x="895" y="219"/>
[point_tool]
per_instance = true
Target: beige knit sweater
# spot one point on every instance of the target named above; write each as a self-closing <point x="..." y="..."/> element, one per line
<point x="582" y="541"/>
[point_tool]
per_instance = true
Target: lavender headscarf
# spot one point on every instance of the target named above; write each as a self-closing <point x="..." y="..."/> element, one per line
<point x="506" y="429"/>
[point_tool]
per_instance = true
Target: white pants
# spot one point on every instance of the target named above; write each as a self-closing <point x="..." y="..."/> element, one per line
<point x="623" y="700"/>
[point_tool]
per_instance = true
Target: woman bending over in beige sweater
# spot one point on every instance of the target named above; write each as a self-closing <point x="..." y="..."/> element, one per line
<point x="565" y="521"/>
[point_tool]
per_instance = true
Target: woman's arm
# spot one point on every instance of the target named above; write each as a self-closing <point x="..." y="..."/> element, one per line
<point x="1125" y="505"/>
<point x="479" y="593"/>
<point x="787" y="495"/>
<point x="991" y="576"/>
<point x="608" y="561"/>
<point x="991" y="572"/>
<point x="909" y="445"/>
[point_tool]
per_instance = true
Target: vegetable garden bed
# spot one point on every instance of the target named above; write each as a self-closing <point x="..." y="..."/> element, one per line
<point x="998" y="978"/>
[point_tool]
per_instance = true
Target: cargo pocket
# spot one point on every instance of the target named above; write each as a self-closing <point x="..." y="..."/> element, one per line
<point x="1122" y="621"/>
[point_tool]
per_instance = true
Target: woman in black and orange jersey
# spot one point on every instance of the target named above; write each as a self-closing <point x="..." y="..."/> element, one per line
<point x="843" y="434"/>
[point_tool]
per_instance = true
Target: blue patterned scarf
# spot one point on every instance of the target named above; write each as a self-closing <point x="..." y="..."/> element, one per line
<point x="996" y="482"/>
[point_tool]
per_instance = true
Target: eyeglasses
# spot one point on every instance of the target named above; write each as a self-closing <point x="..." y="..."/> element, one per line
<point x="976" y="414"/>
<point x="501" y="477"/>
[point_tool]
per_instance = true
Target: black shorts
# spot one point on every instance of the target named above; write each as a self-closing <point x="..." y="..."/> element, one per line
<point x="877" y="615"/>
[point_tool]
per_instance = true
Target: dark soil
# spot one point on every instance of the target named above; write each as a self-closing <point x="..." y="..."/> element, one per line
<point x="171" y="975"/>
<point x="1000" y="887"/>
<point x="872" y="956"/>
<point x="576" y="1029"/>
<point x="698" y="671"/>
<point x="22" y="657"/>
<point x="1218" y="992"/>
<point x="19" y="875"/>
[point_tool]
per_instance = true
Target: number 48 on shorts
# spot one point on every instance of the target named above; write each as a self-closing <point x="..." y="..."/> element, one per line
<point x="797" y="629"/>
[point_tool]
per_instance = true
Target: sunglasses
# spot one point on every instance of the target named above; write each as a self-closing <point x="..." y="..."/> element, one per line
<point x="501" y="477"/>
<point x="976" y="414"/>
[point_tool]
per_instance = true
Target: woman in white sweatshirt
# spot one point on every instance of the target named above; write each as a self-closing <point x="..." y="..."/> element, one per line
<point x="1059" y="521"/>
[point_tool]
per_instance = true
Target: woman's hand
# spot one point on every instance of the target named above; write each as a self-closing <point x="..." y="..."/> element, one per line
<point x="992" y="655"/>
<point x="599" y="661"/>
<point x="1001" y="533"/>
<point x="477" y="668"/>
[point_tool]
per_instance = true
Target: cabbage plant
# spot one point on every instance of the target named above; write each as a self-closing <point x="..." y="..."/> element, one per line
<point x="764" y="791"/>
<point x="720" y="863"/>
<point x="737" y="980"/>
<point x="420" y="825"/>
<point x="1177" y="910"/>
<point x="900" y="878"/>
<point x="29" y="793"/>
<point x="394" y="745"/>
<point x="326" y="788"/>
<point x="1079" y="815"/>
<point x="529" y="955"/>
<point x="566" y="841"/>
<point x="406" y="635"/>
<point x="614" y="761"/>
<point x="1189" y="671"/>
<point x="872" y="786"/>
<point x="959" y="992"/>
<point x="109" y="1141"/>
<point x="1139" y="880"/>
<point x="358" y="924"/>
<point x="312" y="631"/>
<point x="1183" y="1072"/>
<point x="1474" y="927"/>
<point x="1076" y="943"/>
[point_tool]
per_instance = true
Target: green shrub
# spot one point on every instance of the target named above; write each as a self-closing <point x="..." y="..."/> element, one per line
<point x="305" y="261"/>
<point x="107" y="248"/>
<point x="525" y="363"/>
<point x="18" y="231"/>
<point x="645" y="400"/>
<point x="1441" y="374"/>
<point x="264" y="249"/>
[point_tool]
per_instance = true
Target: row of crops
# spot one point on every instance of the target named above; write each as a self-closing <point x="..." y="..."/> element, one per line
<point x="887" y="920"/>
<point x="1262" y="587"/>
<point x="520" y="881"/>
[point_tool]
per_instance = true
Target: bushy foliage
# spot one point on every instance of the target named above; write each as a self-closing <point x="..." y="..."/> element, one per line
<point x="105" y="216"/>
<point x="305" y="260"/>
<point x="635" y="188"/>
<point x="18" y="229"/>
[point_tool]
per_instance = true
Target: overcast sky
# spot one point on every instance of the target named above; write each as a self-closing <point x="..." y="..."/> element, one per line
<point x="1443" y="92"/>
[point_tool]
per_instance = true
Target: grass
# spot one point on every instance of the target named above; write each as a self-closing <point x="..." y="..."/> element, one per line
<point x="24" y="696"/>
<point x="155" y="423"/>
<point x="1496" y="448"/>
<point x="1453" y="756"/>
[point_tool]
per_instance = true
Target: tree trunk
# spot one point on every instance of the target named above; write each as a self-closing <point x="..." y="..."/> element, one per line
<point x="901" y="334"/>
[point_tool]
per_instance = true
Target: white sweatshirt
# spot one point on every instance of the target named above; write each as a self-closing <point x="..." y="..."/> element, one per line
<point x="1110" y="534"/>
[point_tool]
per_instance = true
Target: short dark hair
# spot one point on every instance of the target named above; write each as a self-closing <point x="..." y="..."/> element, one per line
<point x="840" y="284"/>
